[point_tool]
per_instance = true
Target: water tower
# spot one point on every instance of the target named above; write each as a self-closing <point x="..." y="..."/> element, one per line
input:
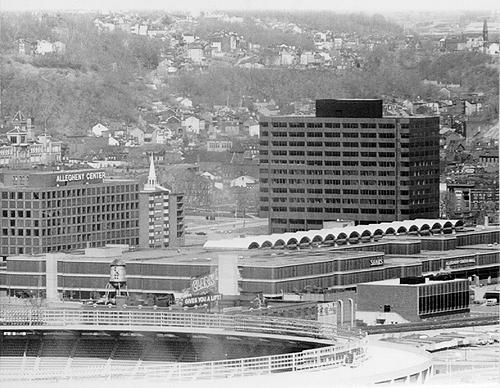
<point x="117" y="281"/>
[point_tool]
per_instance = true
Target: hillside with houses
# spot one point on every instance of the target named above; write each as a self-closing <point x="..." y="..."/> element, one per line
<point x="109" y="90"/>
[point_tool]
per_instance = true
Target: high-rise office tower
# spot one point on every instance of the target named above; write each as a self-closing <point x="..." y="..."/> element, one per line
<point x="347" y="163"/>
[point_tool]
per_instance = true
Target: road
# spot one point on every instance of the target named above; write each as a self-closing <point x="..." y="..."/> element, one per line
<point x="221" y="228"/>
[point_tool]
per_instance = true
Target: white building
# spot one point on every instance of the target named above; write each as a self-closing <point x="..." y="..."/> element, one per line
<point x="243" y="181"/>
<point x="192" y="124"/>
<point x="44" y="47"/>
<point x="100" y="130"/>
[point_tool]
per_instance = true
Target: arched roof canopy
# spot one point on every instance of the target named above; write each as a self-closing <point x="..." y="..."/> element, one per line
<point x="253" y="245"/>
<point x="448" y="224"/>
<point x="390" y="231"/>
<point x="279" y="243"/>
<point x="437" y="225"/>
<point x="291" y="242"/>
<point x="354" y="235"/>
<point x="329" y="239"/>
<point x="448" y="227"/>
<point x="413" y="230"/>
<point x="366" y="233"/>
<point x="305" y="240"/>
<point x="341" y="239"/>
<point x="425" y="230"/>
<point x="267" y="244"/>
<point x="339" y="235"/>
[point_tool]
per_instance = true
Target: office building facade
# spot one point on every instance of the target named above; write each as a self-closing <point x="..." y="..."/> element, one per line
<point x="49" y="211"/>
<point x="161" y="219"/>
<point x="347" y="163"/>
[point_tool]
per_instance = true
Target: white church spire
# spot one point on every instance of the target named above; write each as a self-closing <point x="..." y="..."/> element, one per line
<point x="151" y="184"/>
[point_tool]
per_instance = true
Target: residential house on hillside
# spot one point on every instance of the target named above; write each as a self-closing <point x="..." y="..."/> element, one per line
<point x="472" y="107"/>
<point x="189" y="38"/>
<point x="216" y="45"/>
<point x="174" y="124"/>
<point x="137" y="134"/>
<point x="195" y="54"/>
<point x="59" y="47"/>
<point x="247" y="149"/>
<point x="100" y="130"/>
<point x="493" y="49"/>
<point x="184" y="102"/>
<point x="448" y="136"/>
<point x="44" y="47"/>
<point x="193" y="124"/>
<point x="157" y="31"/>
<point x="165" y="68"/>
<point x="208" y="119"/>
<point x="148" y="134"/>
<point x="445" y="92"/>
<point x="270" y="57"/>
<point x="20" y="146"/>
<point x="251" y="127"/>
<point x="168" y="112"/>
<point x="139" y="29"/>
<point x="25" y="47"/>
<point x="306" y="57"/>
<point x="113" y="142"/>
<point x="160" y="134"/>
<point x="115" y="126"/>
<point x="244" y="181"/>
<point x="287" y="56"/>
<point x="230" y="127"/>
<point x="208" y="175"/>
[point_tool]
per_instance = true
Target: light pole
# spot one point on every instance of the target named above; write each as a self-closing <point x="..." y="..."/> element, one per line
<point x="473" y="357"/>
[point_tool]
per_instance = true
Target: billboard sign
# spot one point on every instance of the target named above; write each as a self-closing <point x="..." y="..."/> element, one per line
<point x="201" y="300"/>
<point x="203" y="284"/>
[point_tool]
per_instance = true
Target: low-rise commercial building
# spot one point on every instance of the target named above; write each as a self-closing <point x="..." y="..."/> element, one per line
<point x="275" y="273"/>
<point x="411" y="299"/>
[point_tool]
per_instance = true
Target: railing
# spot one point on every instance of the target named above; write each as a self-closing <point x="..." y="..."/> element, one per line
<point x="352" y="351"/>
<point x="238" y="323"/>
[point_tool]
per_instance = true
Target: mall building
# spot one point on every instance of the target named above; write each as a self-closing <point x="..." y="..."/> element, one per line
<point x="313" y="269"/>
<point x="347" y="162"/>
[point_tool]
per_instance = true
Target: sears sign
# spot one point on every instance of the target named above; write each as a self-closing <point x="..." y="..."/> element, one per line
<point x="203" y="284"/>
<point x="376" y="262"/>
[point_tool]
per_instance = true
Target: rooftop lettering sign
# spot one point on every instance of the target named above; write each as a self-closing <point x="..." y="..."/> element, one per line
<point x="77" y="177"/>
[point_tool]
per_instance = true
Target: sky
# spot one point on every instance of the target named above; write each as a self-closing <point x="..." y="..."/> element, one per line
<point x="378" y="6"/>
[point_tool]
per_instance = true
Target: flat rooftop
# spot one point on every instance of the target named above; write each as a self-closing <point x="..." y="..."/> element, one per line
<point x="197" y="256"/>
